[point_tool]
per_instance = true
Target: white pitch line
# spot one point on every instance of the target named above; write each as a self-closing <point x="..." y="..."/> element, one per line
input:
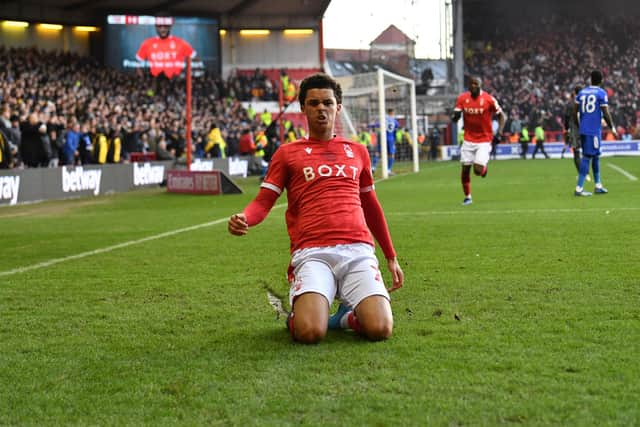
<point x="115" y="247"/>
<point x="623" y="172"/>
<point x="507" y="211"/>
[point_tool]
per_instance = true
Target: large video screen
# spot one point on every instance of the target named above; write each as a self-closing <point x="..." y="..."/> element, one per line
<point x="161" y="44"/>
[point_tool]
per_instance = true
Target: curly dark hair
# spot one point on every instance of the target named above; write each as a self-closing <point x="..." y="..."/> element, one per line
<point x="319" y="81"/>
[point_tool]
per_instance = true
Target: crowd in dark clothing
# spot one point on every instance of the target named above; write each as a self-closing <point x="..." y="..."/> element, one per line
<point x="62" y="108"/>
<point x="532" y="70"/>
<point x="249" y="86"/>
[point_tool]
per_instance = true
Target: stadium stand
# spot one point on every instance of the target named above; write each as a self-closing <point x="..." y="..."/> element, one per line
<point x="66" y="87"/>
<point x="532" y="62"/>
<point x="63" y="89"/>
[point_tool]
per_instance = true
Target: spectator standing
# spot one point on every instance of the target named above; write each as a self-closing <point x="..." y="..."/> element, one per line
<point x="247" y="147"/>
<point x="216" y="146"/>
<point x="6" y="157"/>
<point x="114" y="141"/>
<point x="162" y="152"/>
<point x="132" y="141"/>
<point x="364" y="138"/>
<point x="524" y="141"/>
<point x="54" y="145"/>
<point x="175" y="139"/>
<point x="434" y="143"/>
<point x="5" y="117"/>
<point x="516" y="126"/>
<point x="14" y="138"/>
<point x="251" y="113"/>
<point x="330" y="219"/>
<point x="265" y="118"/>
<point x="85" y="147"/>
<point x="35" y="147"/>
<point x="539" y="135"/>
<point x="7" y="133"/>
<point x="233" y="141"/>
<point x="268" y="146"/>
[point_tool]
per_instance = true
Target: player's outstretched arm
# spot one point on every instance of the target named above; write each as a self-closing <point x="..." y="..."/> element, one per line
<point x="254" y="213"/>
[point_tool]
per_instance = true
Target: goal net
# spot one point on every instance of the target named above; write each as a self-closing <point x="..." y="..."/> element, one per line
<point x="366" y="98"/>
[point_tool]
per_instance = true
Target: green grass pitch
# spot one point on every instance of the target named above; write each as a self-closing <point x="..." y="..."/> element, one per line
<point x="140" y="309"/>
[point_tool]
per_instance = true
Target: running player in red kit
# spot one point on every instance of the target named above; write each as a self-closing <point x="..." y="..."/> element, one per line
<point x="478" y="109"/>
<point x="164" y="52"/>
<point x="332" y="213"/>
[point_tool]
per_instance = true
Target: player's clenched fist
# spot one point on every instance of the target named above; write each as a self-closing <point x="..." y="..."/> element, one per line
<point x="238" y="224"/>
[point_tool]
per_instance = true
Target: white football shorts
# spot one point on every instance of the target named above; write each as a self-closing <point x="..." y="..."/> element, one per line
<point x="349" y="272"/>
<point x="474" y="152"/>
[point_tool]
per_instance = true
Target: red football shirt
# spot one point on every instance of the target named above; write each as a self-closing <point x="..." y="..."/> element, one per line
<point x="478" y="113"/>
<point x="323" y="182"/>
<point x="246" y="145"/>
<point x="165" y="55"/>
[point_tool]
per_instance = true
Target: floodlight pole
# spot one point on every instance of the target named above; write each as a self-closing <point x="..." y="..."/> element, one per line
<point x="188" y="136"/>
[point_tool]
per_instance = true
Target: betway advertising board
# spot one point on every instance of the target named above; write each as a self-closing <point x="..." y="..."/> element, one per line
<point x="35" y="184"/>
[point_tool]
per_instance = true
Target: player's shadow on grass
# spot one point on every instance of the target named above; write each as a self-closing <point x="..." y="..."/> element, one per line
<point x="281" y="335"/>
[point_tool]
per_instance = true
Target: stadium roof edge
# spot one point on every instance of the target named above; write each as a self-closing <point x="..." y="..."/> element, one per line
<point x="270" y="12"/>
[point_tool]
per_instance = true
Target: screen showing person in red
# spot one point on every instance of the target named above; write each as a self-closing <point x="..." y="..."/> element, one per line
<point x="164" y="52"/>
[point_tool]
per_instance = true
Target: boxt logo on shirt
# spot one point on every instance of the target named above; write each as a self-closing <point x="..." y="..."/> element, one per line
<point x="311" y="173"/>
<point x="81" y="180"/>
<point x="9" y="188"/>
<point x="471" y="110"/>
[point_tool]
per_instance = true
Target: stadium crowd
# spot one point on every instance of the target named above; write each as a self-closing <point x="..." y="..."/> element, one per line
<point x="532" y="67"/>
<point x="60" y="108"/>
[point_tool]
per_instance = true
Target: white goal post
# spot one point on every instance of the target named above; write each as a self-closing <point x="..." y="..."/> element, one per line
<point x="366" y="97"/>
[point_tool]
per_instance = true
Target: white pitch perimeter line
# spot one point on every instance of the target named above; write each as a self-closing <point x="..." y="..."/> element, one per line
<point x="623" y="172"/>
<point x="115" y="247"/>
<point x="507" y="211"/>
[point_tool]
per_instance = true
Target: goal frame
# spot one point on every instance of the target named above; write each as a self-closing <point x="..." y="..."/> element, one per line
<point x="380" y="91"/>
